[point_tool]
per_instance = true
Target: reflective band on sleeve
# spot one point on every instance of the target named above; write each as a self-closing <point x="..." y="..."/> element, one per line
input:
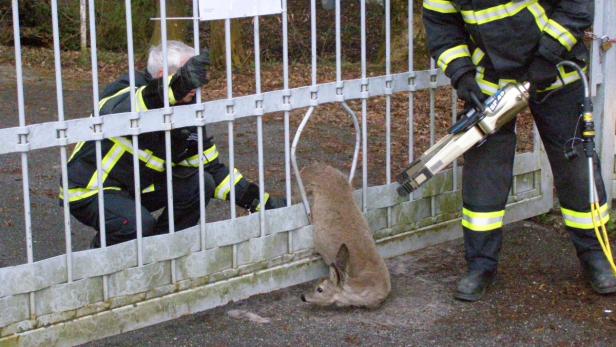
<point x="107" y="164"/>
<point x="149" y="189"/>
<point x="482" y="221"/>
<point x="451" y="54"/>
<point x="209" y="155"/>
<point x="478" y="55"/>
<point x="265" y="198"/>
<point x="223" y="189"/>
<point x="441" y="6"/>
<point x="103" y="101"/>
<point x="172" y="100"/>
<point x="494" y="13"/>
<point x="151" y="161"/>
<point x="140" y="102"/>
<point x="487" y="87"/>
<point x="583" y="220"/>
<point x="76" y="194"/>
<point x="551" y="27"/>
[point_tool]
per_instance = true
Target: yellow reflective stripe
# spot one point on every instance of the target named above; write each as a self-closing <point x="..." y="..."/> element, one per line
<point x="568" y="78"/>
<point x="140" y="102"/>
<point x="451" y="54"/>
<point x="209" y="155"/>
<point x="107" y="164"/>
<point x="76" y="194"/>
<point x="487" y="87"/>
<point x="442" y="6"/>
<point x="172" y="100"/>
<point x="478" y="55"/>
<point x="583" y="220"/>
<point x="482" y="221"/>
<point x="76" y="149"/>
<point x="151" y="161"/>
<point x="539" y="13"/>
<point x="494" y="13"/>
<point x="103" y="101"/>
<point x="222" y="190"/>
<point x="559" y="33"/>
<point x="265" y="198"/>
<point x="149" y="189"/>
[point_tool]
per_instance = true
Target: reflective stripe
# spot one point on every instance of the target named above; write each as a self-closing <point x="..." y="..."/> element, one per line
<point x="149" y="189"/>
<point x="551" y="27"/>
<point x="172" y="100"/>
<point x="487" y="87"/>
<point x="442" y="6"/>
<point x="76" y="149"/>
<point x="482" y="221"/>
<point x="494" y="13"/>
<point x="109" y="161"/>
<point x="223" y="189"/>
<point x="451" y="54"/>
<point x="568" y="78"/>
<point x="76" y="194"/>
<point x="103" y="101"/>
<point x="209" y="155"/>
<point x="151" y="161"/>
<point x="265" y="198"/>
<point x="583" y="220"/>
<point x="490" y="88"/>
<point x="478" y="55"/>
<point x="140" y="102"/>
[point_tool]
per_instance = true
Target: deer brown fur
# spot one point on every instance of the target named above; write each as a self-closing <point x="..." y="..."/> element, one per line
<point x="358" y="274"/>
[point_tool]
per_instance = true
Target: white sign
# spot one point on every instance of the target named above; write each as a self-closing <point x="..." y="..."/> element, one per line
<point x="223" y="9"/>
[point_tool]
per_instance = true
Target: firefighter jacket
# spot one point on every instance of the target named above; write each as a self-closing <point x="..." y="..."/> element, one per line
<point x="499" y="38"/>
<point x="117" y="152"/>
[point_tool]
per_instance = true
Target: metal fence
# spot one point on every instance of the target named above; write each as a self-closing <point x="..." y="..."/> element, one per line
<point x="84" y="295"/>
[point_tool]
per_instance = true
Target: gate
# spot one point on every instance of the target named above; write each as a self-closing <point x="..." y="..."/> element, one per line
<point x="84" y="295"/>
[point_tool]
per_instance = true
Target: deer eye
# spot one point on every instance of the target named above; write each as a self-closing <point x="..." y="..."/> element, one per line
<point x="319" y="289"/>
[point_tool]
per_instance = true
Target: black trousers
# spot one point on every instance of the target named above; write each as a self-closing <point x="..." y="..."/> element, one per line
<point x="120" y="214"/>
<point x="487" y="175"/>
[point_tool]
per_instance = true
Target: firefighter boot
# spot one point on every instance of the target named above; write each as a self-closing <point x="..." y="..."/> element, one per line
<point x="482" y="248"/>
<point x="599" y="273"/>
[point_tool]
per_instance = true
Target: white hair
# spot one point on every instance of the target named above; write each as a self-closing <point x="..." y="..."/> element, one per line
<point x="177" y="52"/>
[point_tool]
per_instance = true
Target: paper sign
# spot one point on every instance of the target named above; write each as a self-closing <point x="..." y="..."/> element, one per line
<point x="223" y="9"/>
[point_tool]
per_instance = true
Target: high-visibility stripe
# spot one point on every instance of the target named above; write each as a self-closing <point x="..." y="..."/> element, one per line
<point x="76" y="149"/>
<point x="487" y="87"/>
<point x="451" y="54"/>
<point x="583" y="220"/>
<point x="103" y="101"/>
<point x="261" y="204"/>
<point x="442" y="6"/>
<point x="551" y="27"/>
<point x="172" y="100"/>
<point x="107" y="164"/>
<point x="490" y="88"/>
<point x="222" y="190"/>
<point x="141" y="107"/>
<point x="149" y="189"/>
<point x="568" y="78"/>
<point x="151" y="161"/>
<point x="494" y="13"/>
<point x="209" y="155"/>
<point x="478" y="55"/>
<point x="482" y="221"/>
<point x="76" y="194"/>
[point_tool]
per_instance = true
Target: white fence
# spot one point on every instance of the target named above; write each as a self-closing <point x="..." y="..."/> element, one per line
<point x="84" y="295"/>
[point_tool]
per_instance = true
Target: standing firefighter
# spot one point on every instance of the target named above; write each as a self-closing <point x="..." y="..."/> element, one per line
<point x="189" y="73"/>
<point x="483" y="44"/>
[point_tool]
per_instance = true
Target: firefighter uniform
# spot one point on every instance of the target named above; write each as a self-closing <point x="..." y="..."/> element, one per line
<point x="497" y="40"/>
<point x="118" y="176"/>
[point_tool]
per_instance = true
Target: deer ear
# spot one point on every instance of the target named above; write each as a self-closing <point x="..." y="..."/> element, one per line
<point x="342" y="258"/>
<point x="334" y="274"/>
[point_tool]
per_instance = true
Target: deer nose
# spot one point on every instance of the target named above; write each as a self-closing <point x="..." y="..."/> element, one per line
<point x="303" y="298"/>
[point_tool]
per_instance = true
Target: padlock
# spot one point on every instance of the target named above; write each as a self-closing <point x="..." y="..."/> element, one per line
<point x="605" y="46"/>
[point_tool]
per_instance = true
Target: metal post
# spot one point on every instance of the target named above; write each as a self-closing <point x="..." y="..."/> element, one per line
<point x="364" y="110"/>
<point x="259" y="112"/>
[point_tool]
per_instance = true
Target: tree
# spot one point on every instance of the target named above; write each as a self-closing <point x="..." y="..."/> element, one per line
<point x="176" y="29"/>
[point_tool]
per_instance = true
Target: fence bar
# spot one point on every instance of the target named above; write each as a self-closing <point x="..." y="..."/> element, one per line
<point x="259" y="111"/>
<point x="313" y="40"/>
<point x="412" y="87"/>
<point x="286" y="101"/>
<point x="135" y="126"/>
<point x="364" y="110"/>
<point x="432" y="102"/>
<point x="199" y="115"/>
<point x="98" y="134"/>
<point x="169" y="125"/>
<point x="338" y="46"/>
<point x="62" y="139"/>
<point x="24" y="141"/>
<point x="388" y="92"/>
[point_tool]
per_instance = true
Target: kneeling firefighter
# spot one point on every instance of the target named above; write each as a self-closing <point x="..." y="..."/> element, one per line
<point x="189" y="71"/>
<point x="484" y="45"/>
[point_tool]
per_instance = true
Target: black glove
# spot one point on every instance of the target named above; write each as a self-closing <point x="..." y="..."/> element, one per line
<point x="466" y="86"/>
<point x="191" y="76"/>
<point x="542" y="73"/>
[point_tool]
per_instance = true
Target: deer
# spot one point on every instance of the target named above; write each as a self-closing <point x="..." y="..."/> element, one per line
<point x="358" y="275"/>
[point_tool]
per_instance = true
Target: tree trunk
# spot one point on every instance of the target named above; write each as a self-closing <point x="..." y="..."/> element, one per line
<point x="218" y="45"/>
<point x="176" y="29"/>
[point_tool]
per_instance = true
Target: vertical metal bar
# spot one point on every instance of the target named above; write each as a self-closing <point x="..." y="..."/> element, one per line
<point x="286" y="100"/>
<point x="23" y="140"/>
<point x="388" y="95"/>
<point x="364" y="110"/>
<point x="313" y="40"/>
<point x="411" y="82"/>
<point x="432" y="103"/>
<point x="230" y="111"/>
<point x="338" y="44"/>
<point x="169" y="124"/>
<point x="61" y="135"/>
<point x="259" y="108"/>
<point x="199" y="115"/>
<point x="135" y="125"/>
<point x="98" y="131"/>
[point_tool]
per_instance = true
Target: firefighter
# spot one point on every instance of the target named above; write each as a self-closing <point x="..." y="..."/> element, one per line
<point x="187" y="73"/>
<point x="481" y="46"/>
